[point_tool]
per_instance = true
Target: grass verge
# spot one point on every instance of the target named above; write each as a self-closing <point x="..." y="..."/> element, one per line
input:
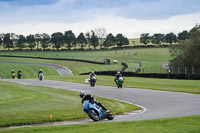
<point x="22" y="105"/>
<point x="186" y="86"/>
<point x="189" y="124"/>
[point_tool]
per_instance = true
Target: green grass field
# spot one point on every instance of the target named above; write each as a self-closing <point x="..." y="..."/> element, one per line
<point x="123" y="55"/>
<point x="22" y="104"/>
<point x="150" y="58"/>
<point x="76" y="67"/>
<point x="28" y="71"/>
<point x="186" y="86"/>
<point x="171" y="125"/>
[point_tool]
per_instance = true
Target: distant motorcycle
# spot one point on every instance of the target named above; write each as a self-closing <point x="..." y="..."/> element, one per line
<point x="92" y="81"/>
<point x="41" y="76"/>
<point x="13" y="75"/>
<point x="19" y="75"/>
<point x="95" y="112"/>
<point x="120" y="82"/>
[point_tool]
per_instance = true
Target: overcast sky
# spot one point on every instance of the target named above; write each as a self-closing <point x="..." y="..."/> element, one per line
<point x="129" y="17"/>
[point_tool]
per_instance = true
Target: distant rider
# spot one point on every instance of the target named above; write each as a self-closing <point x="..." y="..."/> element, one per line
<point x="40" y="72"/>
<point x="92" y="76"/>
<point x="19" y="74"/>
<point x="117" y="75"/>
<point x="91" y="99"/>
<point x="13" y="74"/>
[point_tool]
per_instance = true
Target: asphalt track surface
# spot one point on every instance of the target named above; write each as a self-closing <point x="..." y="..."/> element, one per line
<point x="60" y="69"/>
<point x="156" y="104"/>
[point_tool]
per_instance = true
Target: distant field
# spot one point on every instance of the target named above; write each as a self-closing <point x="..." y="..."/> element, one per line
<point x="150" y="58"/>
<point x="22" y="104"/>
<point x="123" y="55"/>
<point x="75" y="66"/>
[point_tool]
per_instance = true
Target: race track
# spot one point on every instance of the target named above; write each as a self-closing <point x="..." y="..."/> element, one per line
<point x="60" y="69"/>
<point x="156" y="104"/>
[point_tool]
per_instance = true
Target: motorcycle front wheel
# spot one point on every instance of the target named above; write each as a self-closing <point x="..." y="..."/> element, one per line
<point x="93" y="115"/>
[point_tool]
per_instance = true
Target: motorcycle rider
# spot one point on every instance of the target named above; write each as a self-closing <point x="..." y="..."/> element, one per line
<point x="117" y="75"/>
<point x="13" y="74"/>
<point x="92" y="76"/>
<point x="40" y="71"/>
<point x="91" y="99"/>
<point x="19" y="74"/>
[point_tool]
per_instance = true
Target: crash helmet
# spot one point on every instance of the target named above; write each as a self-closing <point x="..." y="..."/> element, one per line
<point x="82" y="94"/>
<point x="40" y="69"/>
<point x="92" y="72"/>
<point x="118" y="72"/>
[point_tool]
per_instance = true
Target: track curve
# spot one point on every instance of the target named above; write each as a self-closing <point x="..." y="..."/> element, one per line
<point x="60" y="69"/>
<point x="158" y="104"/>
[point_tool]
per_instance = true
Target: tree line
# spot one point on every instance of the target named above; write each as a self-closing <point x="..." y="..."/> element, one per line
<point x="187" y="53"/>
<point x="94" y="38"/>
<point x="159" y="38"/>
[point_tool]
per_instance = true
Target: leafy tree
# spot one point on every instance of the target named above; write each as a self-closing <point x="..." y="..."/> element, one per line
<point x="183" y="35"/>
<point x="57" y="39"/>
<point x="187" y="54"/>
<point x="109" y="41"/>
<point x="88" y="38"/>
<point x="170" y="38"/>
<point x="194" y="32"/>
<point x="38" y="38"/>
<point x="101" y="34"/>
<point x="69" y="39"/>
<point x="45" y="40"/>
<point x="1" y="41"/>
<point x="8" y="43"/>
<point x="82" y="40"/>
<point x="21" y="42"/>
<point x="120" y="40"/>
<point x="158" y="38"/>
<point x="145" y="38"/>
<point x="31" y="41"/>
<point x="94" y="40"/>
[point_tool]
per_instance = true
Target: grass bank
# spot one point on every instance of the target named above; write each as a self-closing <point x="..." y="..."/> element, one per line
<point x="171" y="125"/>
<point x="22" y="105"/>
<point x="187" y="86"/>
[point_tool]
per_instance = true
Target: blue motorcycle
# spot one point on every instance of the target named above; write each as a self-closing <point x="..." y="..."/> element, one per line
<point x="95" y="112"/>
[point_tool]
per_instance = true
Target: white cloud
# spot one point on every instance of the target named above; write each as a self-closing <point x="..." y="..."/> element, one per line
<point x="129" y="17"/>
<point x="128" y="27"/>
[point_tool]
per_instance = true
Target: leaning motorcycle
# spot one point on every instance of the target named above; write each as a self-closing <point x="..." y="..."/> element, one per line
<point x="92" y="81"/>
<point x="95" y="112"/>
<point x="120" y="82"/>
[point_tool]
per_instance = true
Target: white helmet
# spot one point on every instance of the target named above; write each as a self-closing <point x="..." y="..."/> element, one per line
<point x="118" y="72"/>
